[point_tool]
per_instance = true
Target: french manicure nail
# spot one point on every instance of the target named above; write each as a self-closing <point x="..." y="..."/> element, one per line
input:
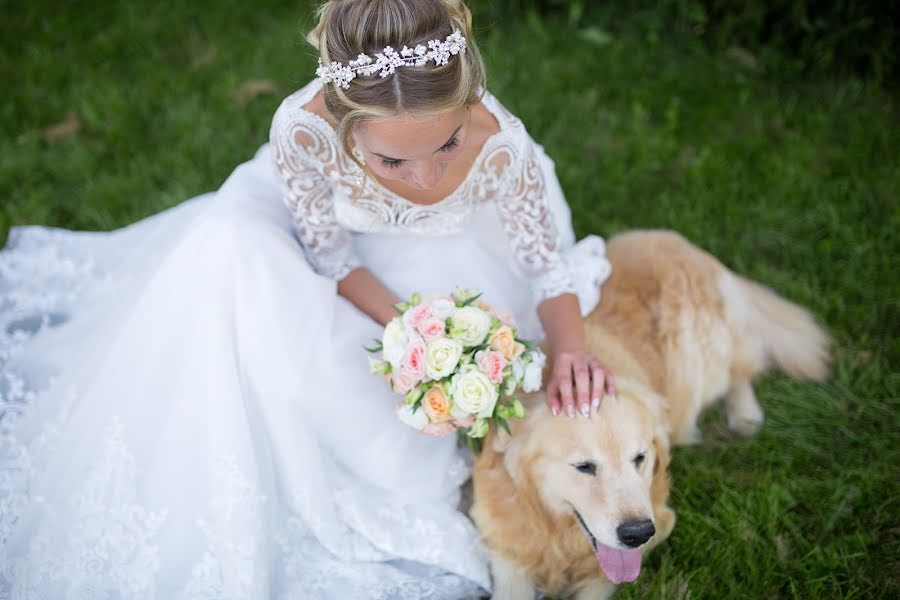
<point x="555" y="411"/>
<point x="595" y="404"/>
<point x="570" y="411"/>
<point x="585" y="410"/>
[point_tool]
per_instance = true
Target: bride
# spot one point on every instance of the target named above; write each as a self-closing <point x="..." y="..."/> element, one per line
<point x="185" y="404"/>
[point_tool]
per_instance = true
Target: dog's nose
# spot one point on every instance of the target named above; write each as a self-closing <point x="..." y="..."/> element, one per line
<point x="634" y="533"/>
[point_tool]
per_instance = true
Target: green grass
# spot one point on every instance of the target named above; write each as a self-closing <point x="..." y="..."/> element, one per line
<point x="794" y="183"/>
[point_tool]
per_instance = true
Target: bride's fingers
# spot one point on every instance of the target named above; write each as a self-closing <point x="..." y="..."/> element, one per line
<point x="582" y="386"/>
<point x="610" y="384"/>
<point x="564" y="381"/>
<point x="553" y="397"/>
<point x="599" y="380"/>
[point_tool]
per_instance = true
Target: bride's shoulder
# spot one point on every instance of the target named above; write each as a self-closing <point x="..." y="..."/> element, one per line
<point x="508" y="127"/>
<point x="302" y="121"/>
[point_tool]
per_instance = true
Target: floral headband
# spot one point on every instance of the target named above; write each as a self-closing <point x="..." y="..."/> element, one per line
<point x="386" y="62"/>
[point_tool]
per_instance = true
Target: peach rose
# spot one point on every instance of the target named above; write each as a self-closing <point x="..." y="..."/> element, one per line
<point x="436" y="405"/>
<point x="431" y="328"/>
<point x="504" y="342"/>
<point x="491" y="364"/>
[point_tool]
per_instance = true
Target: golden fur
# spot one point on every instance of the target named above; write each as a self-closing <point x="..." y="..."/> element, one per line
<point x="678" y="330"/>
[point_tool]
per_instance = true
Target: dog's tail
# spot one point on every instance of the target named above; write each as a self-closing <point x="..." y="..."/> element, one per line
<point x="790" y="336"/>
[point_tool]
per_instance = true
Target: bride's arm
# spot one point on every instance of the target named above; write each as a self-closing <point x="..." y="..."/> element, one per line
<point x="308" y="195"/>
<point x="578" y="381"/>
<point x="369" y="295"/>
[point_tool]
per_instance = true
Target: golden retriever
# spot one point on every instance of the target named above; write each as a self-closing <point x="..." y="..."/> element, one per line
<point x="569" y="506"/>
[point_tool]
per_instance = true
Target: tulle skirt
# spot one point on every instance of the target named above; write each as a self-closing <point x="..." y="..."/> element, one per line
<point x="186" y="412"/>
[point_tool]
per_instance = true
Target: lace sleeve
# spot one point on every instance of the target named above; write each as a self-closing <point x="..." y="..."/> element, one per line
<point x="297" y="151"/>
<point x="524" y="208"/>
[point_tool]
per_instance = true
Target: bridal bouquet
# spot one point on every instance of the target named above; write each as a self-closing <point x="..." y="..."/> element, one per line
<point x="457" y="362"/>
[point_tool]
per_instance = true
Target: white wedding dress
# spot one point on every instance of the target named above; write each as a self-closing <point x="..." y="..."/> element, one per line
<point x="185" y="404"/>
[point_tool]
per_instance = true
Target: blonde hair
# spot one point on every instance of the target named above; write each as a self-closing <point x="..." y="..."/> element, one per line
<point x="348" y="28"/>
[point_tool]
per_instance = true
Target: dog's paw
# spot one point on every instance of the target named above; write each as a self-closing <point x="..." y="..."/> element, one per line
<point x="745" y="426"/>
<point x="745" y="415"/>
<point x="687" y="437"/>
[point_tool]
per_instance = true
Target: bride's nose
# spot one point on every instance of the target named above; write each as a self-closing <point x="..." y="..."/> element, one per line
<point x="427" y="175"/>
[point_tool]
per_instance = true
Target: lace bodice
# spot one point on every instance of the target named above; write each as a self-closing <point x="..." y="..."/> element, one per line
<point x="331" y="199"/>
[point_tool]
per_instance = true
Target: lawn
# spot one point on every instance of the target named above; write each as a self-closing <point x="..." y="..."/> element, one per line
<point x="114" y="111"/>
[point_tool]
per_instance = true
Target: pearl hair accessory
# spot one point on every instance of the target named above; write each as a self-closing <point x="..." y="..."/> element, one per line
<point x="387" y="61"/>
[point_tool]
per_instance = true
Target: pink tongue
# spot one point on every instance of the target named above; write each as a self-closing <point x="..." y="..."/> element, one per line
<point x="619" y="565"/>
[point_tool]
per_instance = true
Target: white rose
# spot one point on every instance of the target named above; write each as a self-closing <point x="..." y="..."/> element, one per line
<point x="441" y="357"/>
<point x="470" y="325"/>
<point x="441" y="308"/>
<point x="394" y="342"/>
<point x="518" y="369"/>
<point x="534" y="372"/>
<point x="474" y="393"/>
<point x="416" y="420"/>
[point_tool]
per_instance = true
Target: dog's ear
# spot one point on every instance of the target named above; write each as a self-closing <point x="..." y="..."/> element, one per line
<point x="511" y="447"/>
<point x="663" y="515"/>
<point x="500" y="441"/>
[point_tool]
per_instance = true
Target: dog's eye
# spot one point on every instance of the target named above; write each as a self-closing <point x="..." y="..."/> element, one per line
<point x="639" y="459"/>
<point x="587" y="467"/>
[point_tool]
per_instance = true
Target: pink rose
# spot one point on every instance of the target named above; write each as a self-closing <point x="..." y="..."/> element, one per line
<point x="491" y="364"/>
<point x="413" y="361"/>
<point x="439" y="429"/>
<point x="417" y="314"/>
<point x="432" y="328"/>
<point x="403" y="381"/>
<point x="468" y="421"/>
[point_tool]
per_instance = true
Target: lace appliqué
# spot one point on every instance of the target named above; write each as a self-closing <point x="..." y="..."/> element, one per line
<point x="235" y="533"/>
<point x="109" y="547"/>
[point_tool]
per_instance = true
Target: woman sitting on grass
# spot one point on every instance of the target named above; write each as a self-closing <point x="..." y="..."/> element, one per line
<point x="195" y="413"/>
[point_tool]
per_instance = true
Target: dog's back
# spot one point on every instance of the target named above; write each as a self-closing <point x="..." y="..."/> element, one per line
<point x="699" y="331"/>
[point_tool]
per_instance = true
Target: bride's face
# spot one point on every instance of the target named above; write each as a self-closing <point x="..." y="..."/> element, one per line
<point x="414" y="150"/>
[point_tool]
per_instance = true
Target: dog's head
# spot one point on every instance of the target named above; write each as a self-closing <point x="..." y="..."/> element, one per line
<point x="608" y="472"/>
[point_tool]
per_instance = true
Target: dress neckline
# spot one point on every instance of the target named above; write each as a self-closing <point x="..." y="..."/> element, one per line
<point x="308" y="92"/>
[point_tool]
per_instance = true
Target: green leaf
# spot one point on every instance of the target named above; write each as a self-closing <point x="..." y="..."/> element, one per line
<point x="528" y="344"/>
<point x="469" y="301"/>
<point x="504" y="425"/>
<point x="474" y="444"/>
<point x="376" y="346"/>
<point x="414" y="395"/>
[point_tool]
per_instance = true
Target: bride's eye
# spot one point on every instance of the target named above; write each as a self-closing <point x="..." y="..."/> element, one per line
<point x="391" y="164"/>
<point x="451" y="145"/>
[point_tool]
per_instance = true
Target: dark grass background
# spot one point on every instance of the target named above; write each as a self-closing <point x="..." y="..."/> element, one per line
<point x="784" y="166"/>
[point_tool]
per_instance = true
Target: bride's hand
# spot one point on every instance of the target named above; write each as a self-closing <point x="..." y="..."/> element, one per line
<point x="578" y="383"/>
